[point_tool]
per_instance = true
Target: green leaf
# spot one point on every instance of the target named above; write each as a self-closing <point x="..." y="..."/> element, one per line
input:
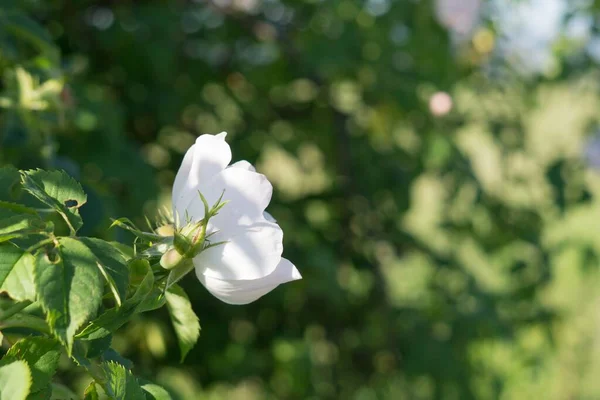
<point x="15" y="381"/>
<point x="59" y="191"/>
<point x="91" y="393"/>
<point x="10" y="182"/>
<point x="114" y="318"/>
<point x="44" y="393"/>
<point x="155" y="299"/>
<point x="61" y="392"/>
<point x="156" y="392"/>
<point x="126" y="224"/>
<point x="41" y="354"/>
<point x="16" y="272"/>
<point x="185" y="321"/>
<point x="14" y="225"/>
<point x="26" y="29"/>
<point x="176" y="274"/>
<point x="112" y="355"/>
<point x="69" y="288"/>
<point x="112" y="265"/>
<point x="121" y="384"/>
<point x="95" y="348"/>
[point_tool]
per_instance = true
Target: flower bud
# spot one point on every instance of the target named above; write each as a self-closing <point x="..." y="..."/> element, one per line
<point x="171" y="259"/>
<point x="181" y="243"/>
<point x="165" y="230"/>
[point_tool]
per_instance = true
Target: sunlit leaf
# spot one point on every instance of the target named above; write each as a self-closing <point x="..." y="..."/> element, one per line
<point x="69" y="287"/>
<point x="91" y="392"/>
<point x="41" y="354"/>
<point x="15" y="381"/>
<point x="16" y="272"/>
<point x="59" y="191"/>
<point x="156" y="392"/>
<point x="121" y="384"/>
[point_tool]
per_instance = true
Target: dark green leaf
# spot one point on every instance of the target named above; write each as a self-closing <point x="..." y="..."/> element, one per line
<point x="185" y="321"/>
<point x="10" y="182"/>
<point x="29" y="30"/>
<point x="59" y="191"/>
<point x="43" y="394"/>
<point x="69" y="287"/>
<point x="61" y="392"/>
<point x="112" y="355"/>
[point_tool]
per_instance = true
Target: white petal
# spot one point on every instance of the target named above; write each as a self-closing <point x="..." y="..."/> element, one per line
<point x="244" y="165"/>
<point x="269" y="217"/>
<point x="247" y="194"/>
<point x="247" y="291"/>
<point x="184" y="171"/>
<point x="251" y="252"/>
<point x="210" y="155"/>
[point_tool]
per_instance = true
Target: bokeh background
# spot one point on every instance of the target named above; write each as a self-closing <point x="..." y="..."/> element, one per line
<point x="436" y="173"/>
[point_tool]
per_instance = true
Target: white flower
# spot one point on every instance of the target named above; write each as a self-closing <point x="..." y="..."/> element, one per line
<point x="249" y="264"/>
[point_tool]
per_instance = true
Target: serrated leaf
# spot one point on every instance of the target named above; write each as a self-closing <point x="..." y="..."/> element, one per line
<point x="16" y="272"/>
<point x="61" y="392"/>
<point x="121" y="384"/>
<point x="57" y="190"/>
<point x="155" y="392"/>
<point x="112" y="355"/>
<point x="112" y="266"/>
<point x="114" y="318"/>
<point x="185" y="321"/>
<point x="69" y="288"/>
<point x="41" y="354"/>
<point x="15" y="381"/>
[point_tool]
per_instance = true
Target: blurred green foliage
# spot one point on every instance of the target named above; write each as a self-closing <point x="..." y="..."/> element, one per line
<point x="435" y="199"/>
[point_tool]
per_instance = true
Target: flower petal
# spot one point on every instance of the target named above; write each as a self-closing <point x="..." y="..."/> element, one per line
<point x="250" y="252"/>
<point x="247" y="291"/>
<point x="210" y="155"/>
<point x="244" y="165"/>
<point x="247" y="194"/>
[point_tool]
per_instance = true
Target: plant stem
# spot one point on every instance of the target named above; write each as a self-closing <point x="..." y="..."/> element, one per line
<point x="14" y="309"/>
<point x="32" y="322"/>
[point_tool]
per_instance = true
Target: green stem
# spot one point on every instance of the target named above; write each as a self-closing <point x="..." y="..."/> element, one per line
<point x="40" y="244"/>
<point x="14" y="309"/>
<point x="32" y="322"/>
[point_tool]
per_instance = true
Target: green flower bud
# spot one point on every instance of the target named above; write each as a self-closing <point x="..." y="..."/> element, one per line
<point x="181" y="243"/>
<point x="171" y="259"/>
